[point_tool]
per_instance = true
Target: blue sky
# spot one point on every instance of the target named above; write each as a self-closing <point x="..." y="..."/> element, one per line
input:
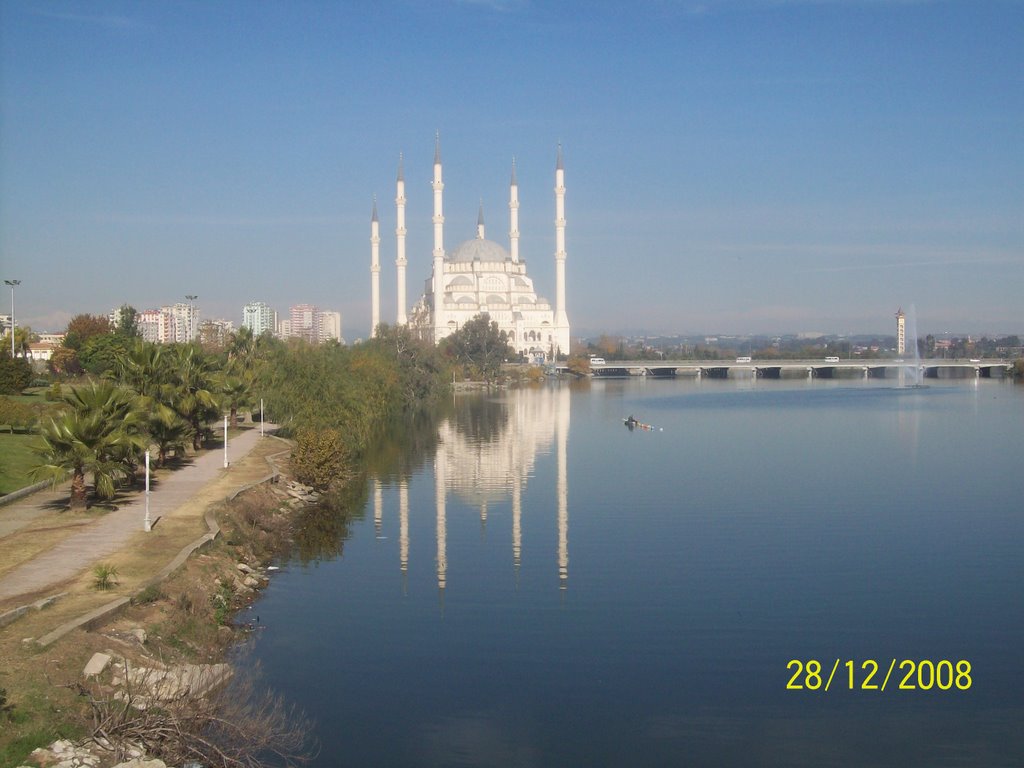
<point x="732" y="166"/>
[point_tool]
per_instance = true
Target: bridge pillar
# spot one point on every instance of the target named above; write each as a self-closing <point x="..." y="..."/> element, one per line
<point x="867" y="372"/>
<point x="810" y="372"/>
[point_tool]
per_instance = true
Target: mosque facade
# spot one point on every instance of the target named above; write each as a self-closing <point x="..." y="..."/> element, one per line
<point x="479" y="276"/>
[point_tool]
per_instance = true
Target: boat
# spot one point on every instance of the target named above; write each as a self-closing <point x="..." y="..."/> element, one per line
<point x="632" y="424"/>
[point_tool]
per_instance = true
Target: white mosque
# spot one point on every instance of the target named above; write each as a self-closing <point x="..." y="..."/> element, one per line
<point x="479" y="276"/>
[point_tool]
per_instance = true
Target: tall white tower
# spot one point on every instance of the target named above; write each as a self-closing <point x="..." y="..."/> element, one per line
<point x="901" y="332"/>
<point x="438" y="276"/>
<point x="374" y="271"/>
<point x="513" y="215"/>
<point x="561" y="338"/>
<point x="400" y="261"/>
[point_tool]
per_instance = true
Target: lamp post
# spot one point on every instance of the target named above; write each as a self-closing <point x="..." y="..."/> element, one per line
<point x="147" y="525"/>
<point x="191" y="316"/>
<point x="12" y="283"/>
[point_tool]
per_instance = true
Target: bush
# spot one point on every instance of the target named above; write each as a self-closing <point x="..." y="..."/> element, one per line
<point x="104" y="576"/>
<point x="15" y="374"/>
<point x="150" y="594"/>
<point x="17" y="415"/>
<point x="320" y="457"/>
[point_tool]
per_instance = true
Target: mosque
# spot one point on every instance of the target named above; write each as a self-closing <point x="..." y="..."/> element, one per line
<point x="479" y="276"/>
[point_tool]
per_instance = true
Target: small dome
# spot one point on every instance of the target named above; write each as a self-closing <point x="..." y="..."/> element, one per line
<point x="479" y="249"/>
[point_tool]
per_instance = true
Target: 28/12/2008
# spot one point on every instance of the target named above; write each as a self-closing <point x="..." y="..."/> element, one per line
<point x="923" y="675"/>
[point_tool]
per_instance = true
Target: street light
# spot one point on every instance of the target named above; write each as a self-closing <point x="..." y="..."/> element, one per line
<point x="12" y="283"/>
<point x="191" y="316"/>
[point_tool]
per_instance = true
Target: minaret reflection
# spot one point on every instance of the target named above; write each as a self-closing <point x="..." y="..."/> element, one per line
<point x="517" y="527"/>
<point x="378" y="508"/>
<point x="563" y="492"/>
<point x="440" y="475"/>
<point x="403" y="533"/>
<point x="486" y="456"/>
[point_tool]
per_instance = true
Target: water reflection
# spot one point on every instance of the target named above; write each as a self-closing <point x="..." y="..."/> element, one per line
<point x="485" y="453"/>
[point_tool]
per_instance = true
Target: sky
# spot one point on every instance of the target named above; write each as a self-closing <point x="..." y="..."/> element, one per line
<point x="731" y="166"/>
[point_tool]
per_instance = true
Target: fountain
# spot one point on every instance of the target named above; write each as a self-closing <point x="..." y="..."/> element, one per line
<point x="912" y="349"/>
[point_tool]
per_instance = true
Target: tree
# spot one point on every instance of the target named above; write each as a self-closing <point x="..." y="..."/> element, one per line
<point x="236" y="392"/>
<point x="194" y="390"/>
<point x="64" y="362"/>
<point x="320" y="457"/>
<point x="169" y="431"/>
<point x="99" y="354"/>
<point x="23" y="337"/>
<point x="480" y="346"/>
<point x="421" y="369"/>
<point x="127" y="322"/>
<point x="95" y="435"/>
<point x="15" y="373"/>
<point x="83" y="327"/>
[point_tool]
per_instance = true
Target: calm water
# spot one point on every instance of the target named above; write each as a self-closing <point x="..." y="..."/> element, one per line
<point x="531" y="584"/>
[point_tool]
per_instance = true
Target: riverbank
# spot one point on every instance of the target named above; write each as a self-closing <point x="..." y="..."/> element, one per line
<point x="162" y="613"/>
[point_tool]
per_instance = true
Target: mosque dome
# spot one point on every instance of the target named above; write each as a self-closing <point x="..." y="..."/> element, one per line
<point x="479" y="249"/>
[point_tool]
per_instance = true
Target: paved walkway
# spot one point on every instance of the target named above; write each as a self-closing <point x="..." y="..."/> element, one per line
<point x="109" y="533"/>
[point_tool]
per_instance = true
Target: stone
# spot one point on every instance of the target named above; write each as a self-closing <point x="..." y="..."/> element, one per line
<point x="244" y="568"/>
<point x="139" y="634"/>
<point x="97" y="664"/>
<point x="139" y="762"/>
<point x="249" y="581"/>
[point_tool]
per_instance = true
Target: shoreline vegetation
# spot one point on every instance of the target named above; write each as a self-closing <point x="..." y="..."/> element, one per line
<point x="329" y="402"/>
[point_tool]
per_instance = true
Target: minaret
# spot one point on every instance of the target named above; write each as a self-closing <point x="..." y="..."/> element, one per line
<point x="400" y="261"/>
<point x="374" y="270"/>
<point x="480" y="222"/>
<point x="561" y="339"/>
<point x="513" y="215"/>
<point x="438" y="276"/>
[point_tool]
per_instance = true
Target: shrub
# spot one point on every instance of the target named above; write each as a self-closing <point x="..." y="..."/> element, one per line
<point x="320" y="458"/>
<point x="150" y="594"/>
<point x="104" y="576"/>
<point x="15" y="374"/>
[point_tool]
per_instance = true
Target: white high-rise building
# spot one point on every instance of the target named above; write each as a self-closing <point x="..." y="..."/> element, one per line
<point x="259" y="318"/>
<point x="330" y="325"/>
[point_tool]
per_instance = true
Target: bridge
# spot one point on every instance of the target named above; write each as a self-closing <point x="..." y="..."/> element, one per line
<point x="796" y="369"/>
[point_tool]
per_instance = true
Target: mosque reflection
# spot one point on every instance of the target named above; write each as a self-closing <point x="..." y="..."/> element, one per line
<point x="485" y="454"/>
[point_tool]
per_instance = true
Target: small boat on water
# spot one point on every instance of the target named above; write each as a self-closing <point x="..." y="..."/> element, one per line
<point x="632" y="424"/>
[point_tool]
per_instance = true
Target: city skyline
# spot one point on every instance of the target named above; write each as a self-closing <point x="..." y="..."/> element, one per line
<point x="738" y="167"/>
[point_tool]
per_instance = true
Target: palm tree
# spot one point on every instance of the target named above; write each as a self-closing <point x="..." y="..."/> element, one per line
<point x="169" y="431"/>
<point x="194" y="396"/>
<point x="236" y="392"/>
<point x="98" y="433"/>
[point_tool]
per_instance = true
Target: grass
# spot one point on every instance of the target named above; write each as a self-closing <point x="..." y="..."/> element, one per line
<point x="16" y="459"/>
<point x="43" y="709"/>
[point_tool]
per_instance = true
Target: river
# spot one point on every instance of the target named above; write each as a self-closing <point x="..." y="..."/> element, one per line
<point x="777" y="573"/>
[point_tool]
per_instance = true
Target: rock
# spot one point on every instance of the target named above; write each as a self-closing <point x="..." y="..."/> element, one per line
<point x="139" y="634"/>
<point x="97" y="664"/>
<point x="249" y="581"/>
<point x="138" y="762"/>
<point x="244" y="568"/>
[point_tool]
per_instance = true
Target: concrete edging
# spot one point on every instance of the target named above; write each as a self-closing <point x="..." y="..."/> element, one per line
<point x="93" y="618"/>
<point x="28" y="490"/>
